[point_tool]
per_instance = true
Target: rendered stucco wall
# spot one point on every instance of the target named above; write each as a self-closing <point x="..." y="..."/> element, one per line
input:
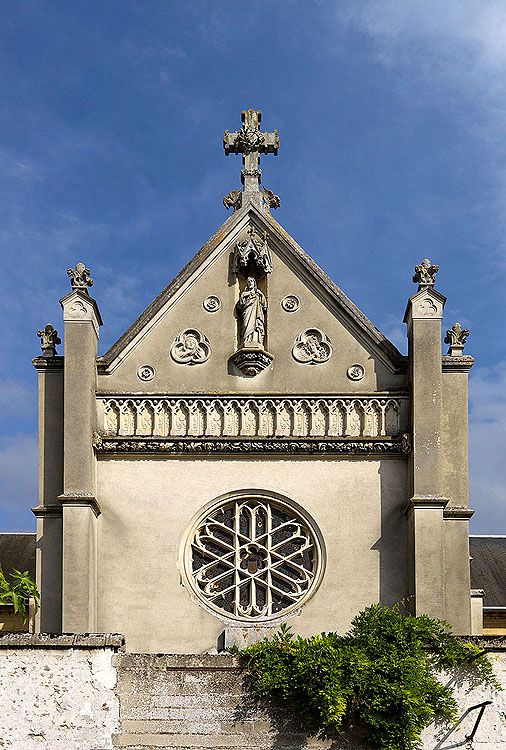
<point x="148" y="504"/>
<point x="58" y="699"/>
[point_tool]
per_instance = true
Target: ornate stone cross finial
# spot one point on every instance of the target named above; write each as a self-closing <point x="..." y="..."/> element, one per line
<point x="250" y="141"/>
<point x="49" y="340"/>
<point x="456" y="337"/>
<point x="80" y="277"/>
<point x="425" y="274"/>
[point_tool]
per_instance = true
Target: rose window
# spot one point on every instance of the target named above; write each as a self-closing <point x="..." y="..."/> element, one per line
<point x="253" y="558"/>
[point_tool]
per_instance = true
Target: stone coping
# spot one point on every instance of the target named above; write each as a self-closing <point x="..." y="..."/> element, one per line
<point x="65" y="640"/>
<point x="168" y="661"/>
<point x="223" y="661"/>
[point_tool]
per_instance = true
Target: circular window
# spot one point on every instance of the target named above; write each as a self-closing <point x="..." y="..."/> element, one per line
<point x="253" y="557"/>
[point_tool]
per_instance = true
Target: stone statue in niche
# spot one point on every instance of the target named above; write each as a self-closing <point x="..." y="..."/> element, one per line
<point x="252" y="306"/>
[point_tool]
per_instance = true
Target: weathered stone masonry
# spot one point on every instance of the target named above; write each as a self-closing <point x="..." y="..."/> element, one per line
<point x="83" y="693"/>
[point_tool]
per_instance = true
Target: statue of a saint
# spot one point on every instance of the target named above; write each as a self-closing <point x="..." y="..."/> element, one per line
<point x="252" y="306"/>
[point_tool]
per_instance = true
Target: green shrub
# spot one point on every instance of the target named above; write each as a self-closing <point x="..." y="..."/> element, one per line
<point x="18" y="591"/>
<point x="382" y="676"/>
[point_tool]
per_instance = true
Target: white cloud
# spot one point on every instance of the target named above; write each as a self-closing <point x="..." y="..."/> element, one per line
<point x="464" y="30"/>
<point x="18" y="482"/>
<point x="487" y="449"/>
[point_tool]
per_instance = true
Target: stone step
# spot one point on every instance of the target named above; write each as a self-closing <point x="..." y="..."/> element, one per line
<point x="196" y="725"/>
<point x="211" y="741"/>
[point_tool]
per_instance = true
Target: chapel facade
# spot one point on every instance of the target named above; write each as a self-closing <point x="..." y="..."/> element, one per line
<point x="252" y="450"/>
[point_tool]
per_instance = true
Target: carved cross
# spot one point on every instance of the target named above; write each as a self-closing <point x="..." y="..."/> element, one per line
<point x="250" y="141"/>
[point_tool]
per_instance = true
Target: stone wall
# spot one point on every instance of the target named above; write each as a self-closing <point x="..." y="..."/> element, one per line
<point x="195" y="702"/>
<point x="58" y="692"/>
<point x="82" y="693"/>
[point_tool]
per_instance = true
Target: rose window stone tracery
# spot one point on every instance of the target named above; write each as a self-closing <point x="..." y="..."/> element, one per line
<point x="253" y="558"/>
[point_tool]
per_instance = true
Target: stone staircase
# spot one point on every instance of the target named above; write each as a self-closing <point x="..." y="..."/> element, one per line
<point x="179" y="701"/>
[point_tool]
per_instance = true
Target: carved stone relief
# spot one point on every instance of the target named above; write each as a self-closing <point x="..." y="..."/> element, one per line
<point x="312" y="347"/>
<point x="76" y="310"/>
<point x="425" y="274"/>
<point x="49" y="340"/>
<point x="355" y="372"/>
<point x="146" y="372"/>
<point x="190" y="348"/>
<point x="212" y="303"/>
<point x="254" y="250"/>
<point x="427" y="308"/>
<point x="290" y="303"/>
<point x="80" y="277"/>
<point x="456" y="337"/>
<point x="208" y="416"/>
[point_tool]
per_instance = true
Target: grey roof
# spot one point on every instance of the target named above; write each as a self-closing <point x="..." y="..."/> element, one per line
<point x="17" y="550"/>
<point x="488" y="568"/>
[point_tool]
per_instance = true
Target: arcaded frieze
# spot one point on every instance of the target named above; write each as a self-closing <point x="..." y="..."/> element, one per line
<point x="211" y="416"/>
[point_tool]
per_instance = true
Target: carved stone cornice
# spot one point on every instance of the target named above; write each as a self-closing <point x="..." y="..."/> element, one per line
<point x="48" y="363"/>
<point x="458" y="513"/>
<point x="462" y="363"/>
<point x="40" y="511"/>
<point x="108" y="445"/>
<point x="428" y="502"/>
<point x="80" y="499"/>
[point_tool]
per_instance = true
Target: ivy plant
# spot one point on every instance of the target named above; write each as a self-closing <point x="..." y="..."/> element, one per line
<point x="18" y="591"/>
<point x="381" y="677"/>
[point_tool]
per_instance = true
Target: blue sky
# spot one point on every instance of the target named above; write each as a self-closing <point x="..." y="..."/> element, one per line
<point x="393" y="141"/>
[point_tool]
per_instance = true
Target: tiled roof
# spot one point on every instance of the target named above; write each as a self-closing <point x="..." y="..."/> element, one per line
<point x="488" y="568"/>
<point x="17" y="550"/>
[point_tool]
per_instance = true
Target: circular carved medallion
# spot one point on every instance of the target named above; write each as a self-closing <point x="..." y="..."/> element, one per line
<point x="146" y="372"/>
<point x="212" y="303"/>
<point x="355" y="372"/>
<point x="290" y="303"/>
<point x="252" y="557"/>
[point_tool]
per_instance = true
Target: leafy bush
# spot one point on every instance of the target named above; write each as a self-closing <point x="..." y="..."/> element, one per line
<point x="382" y="676"/>
<point x="18" y="591"/>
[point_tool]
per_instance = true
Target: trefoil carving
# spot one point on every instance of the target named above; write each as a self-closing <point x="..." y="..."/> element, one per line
<point x="312" y="347"/>
<point x="49" y="340"/>
<point x="456" y="337"/>
<point x="425" y="274"/>
<point x="80" y="277"/>
<point x="190" y="347"/>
